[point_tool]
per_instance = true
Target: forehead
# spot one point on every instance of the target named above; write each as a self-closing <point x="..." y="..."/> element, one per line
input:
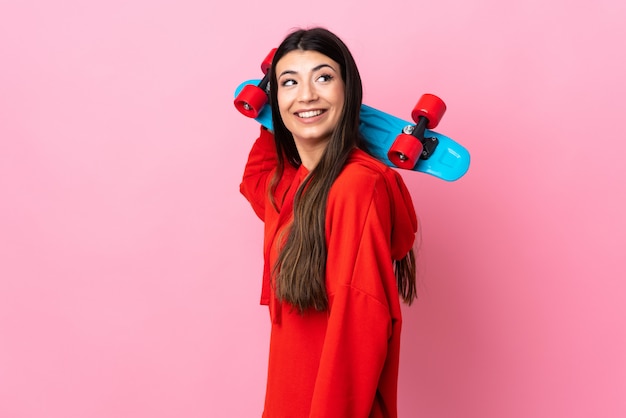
<point x="303" y="61"/>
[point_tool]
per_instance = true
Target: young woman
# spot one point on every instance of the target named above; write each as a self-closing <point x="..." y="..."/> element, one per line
<point x="339" y="231"/>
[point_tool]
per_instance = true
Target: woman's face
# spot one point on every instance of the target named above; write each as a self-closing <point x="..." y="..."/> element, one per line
<point x="311" y="94"/>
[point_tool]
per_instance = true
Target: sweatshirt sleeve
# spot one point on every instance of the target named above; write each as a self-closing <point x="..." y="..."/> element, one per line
<point x="358" y="365"/>
<point x="261" y="161"/>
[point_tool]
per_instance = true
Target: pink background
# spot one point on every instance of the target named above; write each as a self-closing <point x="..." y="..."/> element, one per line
<point x="130" y="265"/>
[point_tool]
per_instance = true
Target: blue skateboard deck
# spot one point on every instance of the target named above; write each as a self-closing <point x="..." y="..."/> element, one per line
<point x="450" y="160"/>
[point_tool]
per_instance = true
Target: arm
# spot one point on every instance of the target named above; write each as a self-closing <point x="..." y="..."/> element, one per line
<point x="261" y="161"/>
<point x="353" y="357"/>
<point x="359" y="362"/>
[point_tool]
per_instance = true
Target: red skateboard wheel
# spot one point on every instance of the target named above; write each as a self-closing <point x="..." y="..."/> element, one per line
<point x="431" y="107"/>
<point x="250" y="100"/>
<point x="267" y="62"/>
<point x="405" y="151"/>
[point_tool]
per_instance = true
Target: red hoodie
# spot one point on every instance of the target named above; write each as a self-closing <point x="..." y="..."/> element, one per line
<point x="340" y="363"/>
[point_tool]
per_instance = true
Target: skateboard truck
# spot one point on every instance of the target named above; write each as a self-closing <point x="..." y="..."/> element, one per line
<point x="412" y="145"/>
<point x="428" y="144"/>
<point x="252" y="98"/>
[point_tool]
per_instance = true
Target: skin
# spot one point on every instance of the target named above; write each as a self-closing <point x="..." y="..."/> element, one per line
<point x="311" y="95"/>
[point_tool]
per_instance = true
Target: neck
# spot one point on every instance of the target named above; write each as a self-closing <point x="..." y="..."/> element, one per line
<point x="310" y="155"/>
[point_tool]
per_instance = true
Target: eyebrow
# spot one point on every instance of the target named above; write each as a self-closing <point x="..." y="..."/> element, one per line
<point x="316" y="68"/>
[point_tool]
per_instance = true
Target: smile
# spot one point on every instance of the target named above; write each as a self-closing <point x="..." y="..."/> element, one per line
<point x="309" y="114"/>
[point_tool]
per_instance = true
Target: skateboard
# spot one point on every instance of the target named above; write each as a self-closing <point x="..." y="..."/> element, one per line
<point x="392" y="140"/>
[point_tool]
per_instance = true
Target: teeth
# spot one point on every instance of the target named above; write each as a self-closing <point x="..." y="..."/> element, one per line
<point x="310" y="114"/>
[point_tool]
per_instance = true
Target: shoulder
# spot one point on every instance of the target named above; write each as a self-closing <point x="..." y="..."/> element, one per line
<point x="363" y="183"/>
<point x="364" y="173"/>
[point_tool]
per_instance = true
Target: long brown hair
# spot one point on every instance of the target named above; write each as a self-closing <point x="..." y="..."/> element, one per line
<point x="300" y="271"/>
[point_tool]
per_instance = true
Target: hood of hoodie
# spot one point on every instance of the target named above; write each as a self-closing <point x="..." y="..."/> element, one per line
<point x="404" y="219"/>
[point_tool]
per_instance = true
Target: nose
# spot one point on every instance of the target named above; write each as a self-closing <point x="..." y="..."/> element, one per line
<point x="308" y="92"/>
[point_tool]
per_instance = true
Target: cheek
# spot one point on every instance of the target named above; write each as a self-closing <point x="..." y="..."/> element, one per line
<point x="283" y="112"/>
<point x="339" y="96"/>
<point x="282" y="102"/>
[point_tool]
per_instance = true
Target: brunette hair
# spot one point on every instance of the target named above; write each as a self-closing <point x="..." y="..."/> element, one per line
<point x="300" y="271"/>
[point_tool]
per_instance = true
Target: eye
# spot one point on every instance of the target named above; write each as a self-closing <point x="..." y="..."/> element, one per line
<point x="288" y="82"/>
<point x="325" y="78"/>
